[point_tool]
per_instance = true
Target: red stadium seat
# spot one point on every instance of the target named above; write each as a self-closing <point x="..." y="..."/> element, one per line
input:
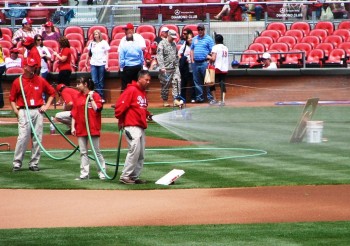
<point x="91" y="29"/>
<point x="327" y="25"/>
<point x="271" y="33"/>
<point x="292" y="60"/>
<point x="301" y="25"/>
<point x="145" y="28"/>
<point x="306" y="47"/>
<point x="77" y="45"/>
<point x="6" y="44"/>
<point x="281" y="47"/>
<point x="249" y="58"/>
<point x="115" y="42"/>
<point x="113" y="65"/>
<point x="344" y="25"/>
<point x="193" y="27"/>
<point x="334" y="39"/>
<point x="326" y="47"/>
<point x="14" y="70"/>
<point x="53" y="44"/>
<point x="113" y="48"/>
<point x="314" y="40"/>
<point x="74" y="29"/>
<point x="170" y="27"/>
<point x="118" y="29"/>
<point x="118" y="35"/>
<point x="321" y="33"/>
<point x="77" y="37"/>
<point x="6" y="31"/>
<point x="258" y="47"/>
<point x="315" y="58"/>
<point x="266" y="41"/>
<point x="83" y="57"/>
<point x="148" y="35"/>
<point x="278" y="26"/>
<point x="83" y="68"/>
<point x="345" y="46"/>
<point x="290" y="40"/>
<point x="336" y="58"/>
<point x="344" y="33"/>
<point x="298" y="34"/>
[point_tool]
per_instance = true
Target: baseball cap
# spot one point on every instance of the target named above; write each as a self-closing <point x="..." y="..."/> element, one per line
<point x="172" y="33"/>
<point x="128" y="26"/>
<point x="164" y="29"/>
<point x="48" y="24"/>
<point x="27" y="21"/>
<point x="14" y="50"/>
<point x="266" y="55"/>
<point x="27" y="41"/>
<point x="59" y="87"/>
<point x="30" y="62"/>
<point x="201" y="26"/>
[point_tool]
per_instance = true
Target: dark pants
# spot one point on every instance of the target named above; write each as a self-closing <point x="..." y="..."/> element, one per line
<point x="129" y="74"/>
<point x="2" y="70"/>
<point x="220" y="79"/>
<point x="187" y="82"/>
<point x="64" y="77"/>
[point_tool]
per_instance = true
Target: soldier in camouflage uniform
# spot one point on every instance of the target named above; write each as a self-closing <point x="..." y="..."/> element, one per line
<point x="169" y="73"/>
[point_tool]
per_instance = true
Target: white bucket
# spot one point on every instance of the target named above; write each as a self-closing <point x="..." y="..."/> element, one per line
<point x="314" y="131"/>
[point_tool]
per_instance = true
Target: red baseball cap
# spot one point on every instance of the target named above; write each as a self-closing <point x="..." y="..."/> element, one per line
<point x="128" y="26"/>
<point x="59" y="87"/>
<point x="27" y="21"/>
<point x="27" y="41"/>
<point x="48" y="24"/>
<point x="30" y="62"/>
<point x="14" y="50"/>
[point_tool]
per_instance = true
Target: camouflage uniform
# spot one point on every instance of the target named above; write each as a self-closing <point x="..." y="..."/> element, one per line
<point x="168" y="59"/>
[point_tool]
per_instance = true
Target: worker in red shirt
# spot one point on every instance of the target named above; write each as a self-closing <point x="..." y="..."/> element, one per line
<point x="132" y="114"/>
<point x="85" y="87"/>
<point x="32" y="52"/>
<point x="67" y="94"/>
<point x="33" y="86"/>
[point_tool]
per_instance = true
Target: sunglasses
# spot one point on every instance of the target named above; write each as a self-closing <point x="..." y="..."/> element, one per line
<point x="38" y="39"/>
<point x="200" y="29"/>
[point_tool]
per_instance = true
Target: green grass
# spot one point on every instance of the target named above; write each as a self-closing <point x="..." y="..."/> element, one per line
<point x="267" y="129"/>
<point x="326" y="233"/>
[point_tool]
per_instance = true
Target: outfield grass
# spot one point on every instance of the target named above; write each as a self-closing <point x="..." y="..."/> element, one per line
<point x="268" y="129"/>
<point x="326" y="233"/>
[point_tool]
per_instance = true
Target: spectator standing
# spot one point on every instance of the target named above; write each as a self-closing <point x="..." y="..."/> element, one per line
<point x="50" y="33"/>
<point x="169" y="73"/>
<point x="219" y="56"/>
<point x="184" y="34"/>
<point x="2" y="70"/>
<point x="13" y="60"/>
<point x="163" y="34"/>
<point x="44" y="54"/>
<point x="201" y="47"/>
<point x="230" y="11"/>
<point x="34" y="86"/>
<point x="98" y="56"/>
<point x="32" y="52"/>
<point x="85" y="87"/>
<point x="185" y="67"/>
<point x="27" y="30"/>
<point x="132" y="114"/>
<point x="130" y="55"/>
<point x="64" y="61"/>
<point x="67" y="95"/>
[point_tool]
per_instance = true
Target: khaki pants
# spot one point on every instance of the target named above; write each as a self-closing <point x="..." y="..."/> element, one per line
<point x="25" y="134"/>
<point x="136" y="155"/>
<point x="84" y="159"/>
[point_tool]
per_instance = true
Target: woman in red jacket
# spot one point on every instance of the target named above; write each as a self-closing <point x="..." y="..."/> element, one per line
<point x="95" y="106"/>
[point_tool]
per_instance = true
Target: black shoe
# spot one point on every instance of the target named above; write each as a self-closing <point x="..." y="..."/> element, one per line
<point x="34" y="169"/>
<point x="83" y="178"/>
<point x="16" y="169"/>
<point x="140" y="181"/>
<point x="68" y="132"/>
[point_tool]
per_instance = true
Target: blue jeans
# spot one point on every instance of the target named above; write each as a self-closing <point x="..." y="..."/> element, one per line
<point x="198" y="80"/>
<point x="98" y="76"/>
